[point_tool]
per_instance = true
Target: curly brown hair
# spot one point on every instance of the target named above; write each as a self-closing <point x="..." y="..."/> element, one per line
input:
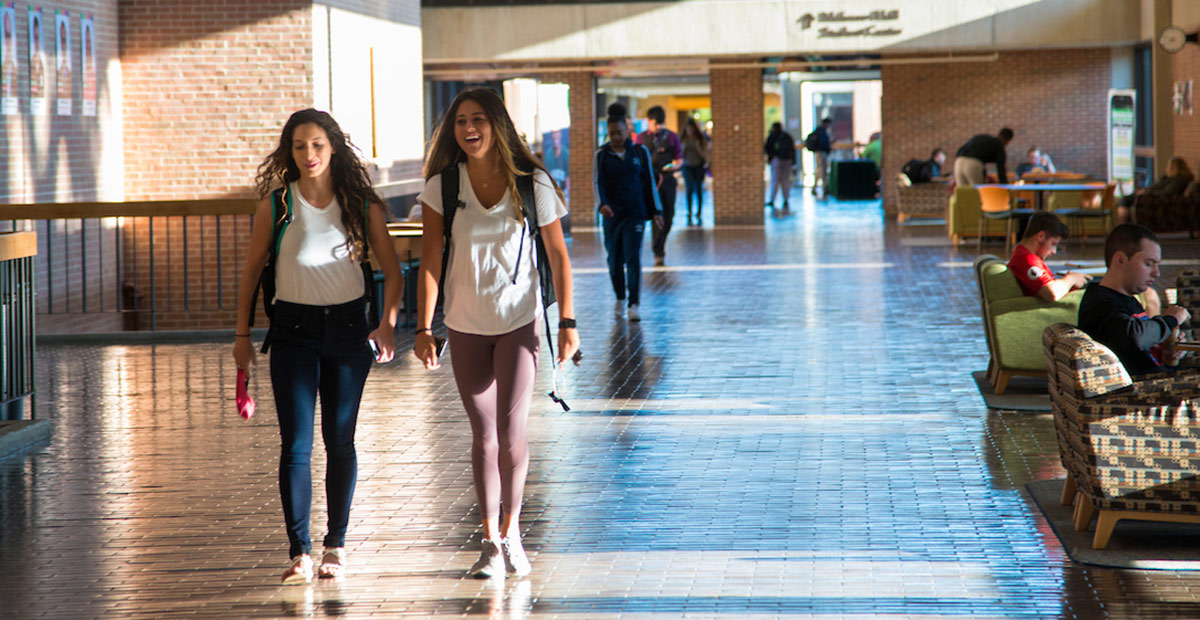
<point x="351" y="181"/>
<point x="515" y="157"/>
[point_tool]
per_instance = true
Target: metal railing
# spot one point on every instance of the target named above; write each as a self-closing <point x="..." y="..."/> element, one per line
<point x="135" y="261"/>
<point x="17" y="324"/>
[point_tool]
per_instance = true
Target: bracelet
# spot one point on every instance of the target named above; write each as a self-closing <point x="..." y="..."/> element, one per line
<point x="241" y="335"/>
<point x="423" y="329"/>
<point x="566" y="324"/>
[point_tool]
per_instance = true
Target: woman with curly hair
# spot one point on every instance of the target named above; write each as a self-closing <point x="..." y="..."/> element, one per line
<point x="316" y="190"/>
<point x="492" y="299"/>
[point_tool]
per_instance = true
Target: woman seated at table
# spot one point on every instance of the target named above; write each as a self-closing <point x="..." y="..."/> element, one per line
<point x="1178" y="177"/>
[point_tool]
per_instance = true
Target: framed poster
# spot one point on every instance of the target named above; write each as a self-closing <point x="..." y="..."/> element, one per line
<point x="37" y="63"/>
<point x="62" y="48"/>
<point x="8" y="59"/>
<point x="87" y="62"/>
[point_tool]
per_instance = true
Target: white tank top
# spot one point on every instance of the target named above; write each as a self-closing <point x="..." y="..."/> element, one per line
<point x="315" y="266"/>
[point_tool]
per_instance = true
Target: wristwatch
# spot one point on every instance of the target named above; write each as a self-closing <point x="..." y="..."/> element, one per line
<point x="566" y="324"/>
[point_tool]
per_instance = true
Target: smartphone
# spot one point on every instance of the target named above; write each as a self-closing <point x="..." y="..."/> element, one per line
<point x="440" y="346"/>
<point x="374" y="347"/>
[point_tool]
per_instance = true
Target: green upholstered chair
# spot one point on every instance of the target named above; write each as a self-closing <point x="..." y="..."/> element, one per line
<point x="1013" y="322"/>
<point x="963" y="213"/>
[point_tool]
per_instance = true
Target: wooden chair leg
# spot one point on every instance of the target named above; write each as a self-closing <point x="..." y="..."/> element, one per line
<point x="1068" y="494"/>
<point x="1104" y="529"/>
<point x="1002" y="377"/>
<point x="954" y="240"/>
<point x="1083" y="512"/>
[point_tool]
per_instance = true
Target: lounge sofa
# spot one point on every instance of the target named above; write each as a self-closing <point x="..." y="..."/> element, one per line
<point x="928" y="200"/>
<point x="1131" y="448"/>
<point x="1161" y="213"/>
<point x="1013" y="322"/>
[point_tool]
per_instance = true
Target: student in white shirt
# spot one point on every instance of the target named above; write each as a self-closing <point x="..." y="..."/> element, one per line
<point x="321" y="322"/>
<point x="492" y="301"/>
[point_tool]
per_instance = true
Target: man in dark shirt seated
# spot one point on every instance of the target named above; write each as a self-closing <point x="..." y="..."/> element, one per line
<point x="1110" y="314"/>
<point x="979" y="150"/>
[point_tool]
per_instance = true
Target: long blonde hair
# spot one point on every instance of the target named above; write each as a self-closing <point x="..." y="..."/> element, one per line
<point x="1177" y="167"/>
<point x="514" y="156"/>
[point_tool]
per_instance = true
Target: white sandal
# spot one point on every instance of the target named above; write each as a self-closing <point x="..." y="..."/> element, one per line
<point x="333" y="563"/>
<point x="301" y="571"/>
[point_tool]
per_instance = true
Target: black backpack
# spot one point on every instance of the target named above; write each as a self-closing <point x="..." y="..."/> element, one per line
<point x="281" y="216"/>
<point x="812" y="141"/>
<point x="451" y="204"/>
<point x="916" y="171"/>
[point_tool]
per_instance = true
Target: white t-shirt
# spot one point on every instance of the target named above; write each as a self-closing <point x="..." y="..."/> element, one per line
<point x="481" y="296"/>
<point x="315" y="266"/>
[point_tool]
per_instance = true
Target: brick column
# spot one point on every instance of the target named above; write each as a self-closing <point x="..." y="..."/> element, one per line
<point x="582" y="101"/>
<point x="737" y="167"/>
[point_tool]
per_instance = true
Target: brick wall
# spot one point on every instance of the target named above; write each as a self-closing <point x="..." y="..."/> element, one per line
<point x="737" y="167"/>
<point x="582" y="101"/>
<point x="207" y="87"/>
<point x="1055" y="99"/>
<point x="45" y="157"/>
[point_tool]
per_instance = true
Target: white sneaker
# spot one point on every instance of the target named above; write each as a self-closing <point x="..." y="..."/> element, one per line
<point x="514" y="556"/>
<point x="490" y="563"/>
<point x="633" y="313"/>
<point x="619" y="309"/>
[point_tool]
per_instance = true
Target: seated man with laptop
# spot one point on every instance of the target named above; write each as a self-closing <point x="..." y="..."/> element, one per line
<point x="1111" y="314"/>
<point x="1028" y="261"/>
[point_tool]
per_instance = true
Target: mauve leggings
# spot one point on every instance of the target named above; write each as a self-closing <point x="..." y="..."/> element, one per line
<point x="495" y="379"/>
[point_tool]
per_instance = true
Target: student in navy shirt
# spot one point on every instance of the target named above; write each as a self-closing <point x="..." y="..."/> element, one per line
<point x="626" y="197"/>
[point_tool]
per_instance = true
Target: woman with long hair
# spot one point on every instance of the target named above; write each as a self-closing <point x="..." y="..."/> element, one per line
<point x="695" y="160"/>
<point x="1174" y="183"/>
<point x="317" y="192"/>
<point x="492" y="301"/>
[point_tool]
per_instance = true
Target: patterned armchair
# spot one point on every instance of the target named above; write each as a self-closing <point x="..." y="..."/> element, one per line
<point x="921" y="199"/>
<point x="1163" y="213"/>
<point x="1131" y="448"/>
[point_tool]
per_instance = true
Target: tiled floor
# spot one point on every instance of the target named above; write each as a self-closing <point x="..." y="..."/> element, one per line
<point x="791" y="431"/>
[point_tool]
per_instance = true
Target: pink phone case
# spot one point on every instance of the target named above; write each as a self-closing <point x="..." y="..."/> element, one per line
<point x="245" y="403"/>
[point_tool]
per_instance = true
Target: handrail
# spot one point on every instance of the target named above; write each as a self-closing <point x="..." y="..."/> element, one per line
<point x="18" y="245"/>
<point x="147" y="208"/>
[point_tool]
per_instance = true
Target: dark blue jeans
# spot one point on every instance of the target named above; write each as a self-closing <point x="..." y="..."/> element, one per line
<point x="693" y="180"/>
<point x="318" y="351"/>
<point x="666" y="195"/>
<point x="623" y="241"/>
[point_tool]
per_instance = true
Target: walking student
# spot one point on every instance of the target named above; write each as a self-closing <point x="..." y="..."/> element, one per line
<point x="492" y="301"/>
<point x="780" y="150"/>
<point x="625" y="193"/>
<point x="666" y="154"/>
<point x="695" y="161"/>
<point x="318" y="196"/>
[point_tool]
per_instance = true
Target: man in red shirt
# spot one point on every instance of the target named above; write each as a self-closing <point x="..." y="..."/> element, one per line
<point x="1028" y="262"/>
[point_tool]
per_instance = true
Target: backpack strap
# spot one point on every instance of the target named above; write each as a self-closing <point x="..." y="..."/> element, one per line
<point x="281" y="218"/>
<point x="373" y="300"/>
<point x="545" y="275"/>
<point x="450" y="205"/>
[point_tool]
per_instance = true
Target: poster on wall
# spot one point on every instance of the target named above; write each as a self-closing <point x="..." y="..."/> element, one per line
<point x="8" y="59"/>
<point x="62" y="49"/>
<point x="87" y="64"/>
<point x="1120" y="139"/>
<point x="37" y="63"/>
